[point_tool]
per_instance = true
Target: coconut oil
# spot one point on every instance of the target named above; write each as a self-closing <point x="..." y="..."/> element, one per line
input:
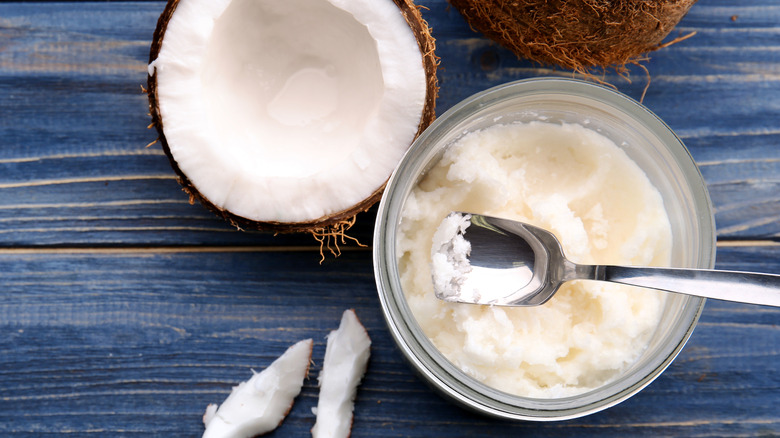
<point x="580" y="185"/>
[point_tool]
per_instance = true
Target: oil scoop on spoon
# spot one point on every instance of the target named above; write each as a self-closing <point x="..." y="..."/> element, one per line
<point x="450" y="258"/>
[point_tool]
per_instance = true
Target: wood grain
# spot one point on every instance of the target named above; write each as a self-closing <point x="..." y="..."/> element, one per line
<point x="75" y="170"/>
<point x="137" y="343"/>
<point x="124" y="310"/>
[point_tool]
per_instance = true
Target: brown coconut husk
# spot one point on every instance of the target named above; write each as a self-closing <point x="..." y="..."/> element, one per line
<point x="581" y="35"/>
<point x="331" y="229"/>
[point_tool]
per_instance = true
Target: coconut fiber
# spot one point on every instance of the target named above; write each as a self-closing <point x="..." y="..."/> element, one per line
<point x="576" y="34"/>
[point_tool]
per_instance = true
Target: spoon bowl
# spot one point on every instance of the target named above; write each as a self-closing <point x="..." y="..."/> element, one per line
<point x="509" y="263"/>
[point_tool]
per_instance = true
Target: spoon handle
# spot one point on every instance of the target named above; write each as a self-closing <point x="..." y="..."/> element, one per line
<point x="741" y="287"/>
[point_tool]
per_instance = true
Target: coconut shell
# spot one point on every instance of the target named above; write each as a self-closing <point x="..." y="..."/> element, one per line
<point x="576" y="34"/>
<point x="336" y="222"/>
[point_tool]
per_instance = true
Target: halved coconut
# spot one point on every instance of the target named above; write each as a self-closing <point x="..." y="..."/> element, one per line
<point x="259" y="405"/>
<point x="346" y="359"/>
<point x="289" y="115"/>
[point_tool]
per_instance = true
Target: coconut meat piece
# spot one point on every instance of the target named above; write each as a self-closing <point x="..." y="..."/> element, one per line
<point x="259" y="405"/>
<point x="346" y="359"/>
<point x="288" y="111"/>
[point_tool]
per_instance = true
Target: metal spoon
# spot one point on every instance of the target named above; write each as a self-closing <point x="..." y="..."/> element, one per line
<point x="511" y="263"/>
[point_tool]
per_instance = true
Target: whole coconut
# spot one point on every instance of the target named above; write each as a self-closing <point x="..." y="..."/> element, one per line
<point x="576" y="34"/>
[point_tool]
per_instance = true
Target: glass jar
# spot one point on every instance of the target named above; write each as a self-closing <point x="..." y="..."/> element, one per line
<point x="647" y="140"/>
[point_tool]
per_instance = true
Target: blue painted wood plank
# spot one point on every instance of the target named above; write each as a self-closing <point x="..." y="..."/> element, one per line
<point x="74" y="169"/>
<point x="165" y="307"/>
<point x="136" y="343"/>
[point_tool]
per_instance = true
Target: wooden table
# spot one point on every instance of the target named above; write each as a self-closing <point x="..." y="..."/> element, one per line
<point x="124" y="310"/>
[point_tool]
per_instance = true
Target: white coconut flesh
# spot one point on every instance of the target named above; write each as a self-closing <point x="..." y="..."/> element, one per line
<point x="288" y="111"/>
<point x="346" y="358"/>
<point x="259" y="405"/>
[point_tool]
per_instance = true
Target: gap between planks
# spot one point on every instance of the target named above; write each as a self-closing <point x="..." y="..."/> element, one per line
<point x="167" y="249"/>
<point x="270" y="248"/>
